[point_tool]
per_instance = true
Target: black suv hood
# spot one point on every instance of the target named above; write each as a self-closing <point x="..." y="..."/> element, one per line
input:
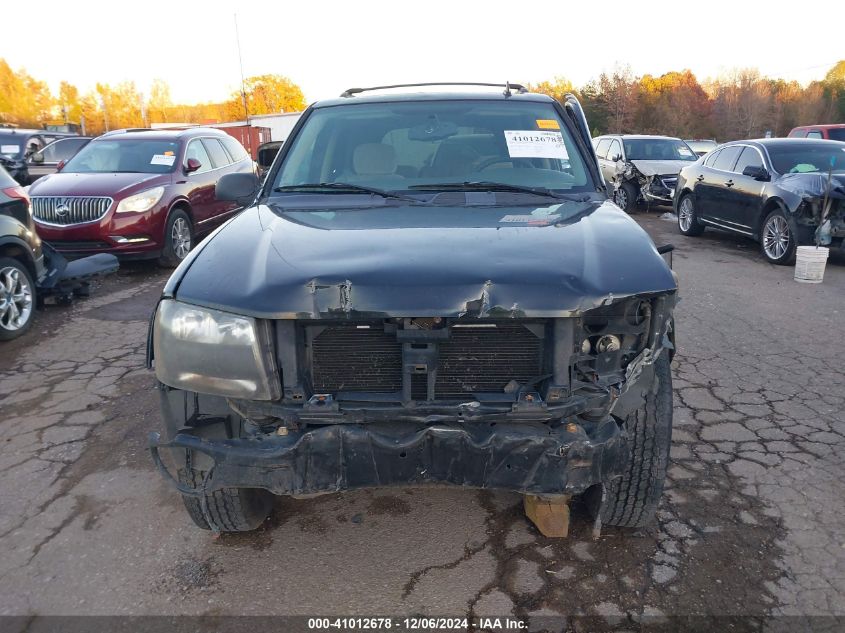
<point x="545" y="261"/>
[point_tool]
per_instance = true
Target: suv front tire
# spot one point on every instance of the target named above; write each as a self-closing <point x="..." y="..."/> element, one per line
<point x="178" y="239"/>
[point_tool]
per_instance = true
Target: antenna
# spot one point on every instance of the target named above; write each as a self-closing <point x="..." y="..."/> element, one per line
<point x="507" y="88"/>
<point x="243" y="88"/>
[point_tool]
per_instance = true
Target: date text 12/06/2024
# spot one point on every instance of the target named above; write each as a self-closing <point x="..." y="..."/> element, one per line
<point x="417" y="624"/>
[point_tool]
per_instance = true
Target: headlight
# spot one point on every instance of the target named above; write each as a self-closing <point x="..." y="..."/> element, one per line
<point x="143" y="201"/>
<point x="213" y="352"/>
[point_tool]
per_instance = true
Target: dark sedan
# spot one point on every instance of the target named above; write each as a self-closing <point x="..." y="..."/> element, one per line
<point x="781" y="192"/>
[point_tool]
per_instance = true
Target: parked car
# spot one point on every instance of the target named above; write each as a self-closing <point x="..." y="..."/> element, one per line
<point x="47" y="161"/>
<point x="642" y="168"/>
<point x="139" y="194"/>
<point x="780" y="192"/>
<point x="426" y="288"/>
<point x="832" y="131"/>
<point x="700" y="146"/>
<point x="16" y="146"/>
<point x="29" y="269"/>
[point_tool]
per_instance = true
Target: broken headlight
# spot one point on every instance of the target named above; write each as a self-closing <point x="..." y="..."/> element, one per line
<point x="214" y="352"/>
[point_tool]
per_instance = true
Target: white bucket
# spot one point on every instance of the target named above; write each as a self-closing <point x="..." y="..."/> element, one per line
<point x="809" y="264"/>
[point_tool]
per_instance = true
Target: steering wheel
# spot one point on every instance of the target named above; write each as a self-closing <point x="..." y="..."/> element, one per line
<point x="493" y="160"/>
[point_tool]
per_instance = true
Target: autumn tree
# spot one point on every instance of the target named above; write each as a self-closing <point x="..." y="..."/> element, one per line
<point x="159" y="101"/>
<point x="266" y="94"/>
<point x="557" y="89"/>
<point x="618" y="97"/>
<point x="834" y="90"/>
<point x="674" y="104"/>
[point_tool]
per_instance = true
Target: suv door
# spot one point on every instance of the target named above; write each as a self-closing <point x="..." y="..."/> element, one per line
<point x="200" y="185"/>
<point x="613" y="152"/>
<point x="601" y="154"/>
<point x="222" y="166"/>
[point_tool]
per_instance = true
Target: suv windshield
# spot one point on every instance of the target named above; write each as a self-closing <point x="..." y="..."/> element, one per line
<point x="800" y="158"/>
<point x="423" y="145"/>
<point x="658" y="149"/>
<point x="136" y="156"/>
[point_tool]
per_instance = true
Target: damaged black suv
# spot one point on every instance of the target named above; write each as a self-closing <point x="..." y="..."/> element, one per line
<point x="426" y="288"/>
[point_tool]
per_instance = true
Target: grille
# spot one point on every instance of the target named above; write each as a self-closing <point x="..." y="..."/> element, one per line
<point x="62" y="246"/>
<point x="486" y="359"/>
<point x="350" y="359"/>
<point x="64" y="210"/>
<point x="345" y="358"/>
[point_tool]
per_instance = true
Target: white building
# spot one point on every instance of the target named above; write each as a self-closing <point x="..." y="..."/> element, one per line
<point x="280" y="124"/>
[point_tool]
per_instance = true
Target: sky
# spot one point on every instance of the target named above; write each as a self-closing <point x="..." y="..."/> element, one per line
<point x="327" y="46"/>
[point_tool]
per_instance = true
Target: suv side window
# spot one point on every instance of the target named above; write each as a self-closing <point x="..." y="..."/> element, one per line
<point x="749" y="157"/>
<point x="197" y="150"/>
<point x="601" y="148"/>
<point x="235" y="149"/>
<point x="727" y="158"/>
<point x="814" y="134"/>
<point x="615" y="149"/>
<point x="218" y="155"/>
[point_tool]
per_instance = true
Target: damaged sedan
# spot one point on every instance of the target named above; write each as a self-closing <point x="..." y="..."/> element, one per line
<point x="783" y="192"/>
<point x="427" y="288"/>
<point x="642" y="169"/>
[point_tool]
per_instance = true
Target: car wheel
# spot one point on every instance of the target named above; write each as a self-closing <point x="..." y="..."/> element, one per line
<point x="626" y="197"/>
<point x="632" y="499"/>
<point x="178" y="239"/>
<point x="777" y="239"/>
<point x="227" y="509"/>
<point x="17" y="299"/>
<point x="688" y="222"/>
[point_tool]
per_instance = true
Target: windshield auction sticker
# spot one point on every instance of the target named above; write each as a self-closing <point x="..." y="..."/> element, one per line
<point x="162" y="159"/>
<point x="535" y="144"/>
<point x="9" y="149"/>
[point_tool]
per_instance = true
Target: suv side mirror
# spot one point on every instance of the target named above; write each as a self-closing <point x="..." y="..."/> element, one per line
<point x="192" y="165"/>
<point x="617" y="158"/>
<point x="239" y="187"/>
<point x="756" y="172"/>
<point x="37" y="158"/>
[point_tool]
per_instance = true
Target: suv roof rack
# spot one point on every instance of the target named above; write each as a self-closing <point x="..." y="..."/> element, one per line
<point x="129" y="129"/>
<point x="507" y="86"/>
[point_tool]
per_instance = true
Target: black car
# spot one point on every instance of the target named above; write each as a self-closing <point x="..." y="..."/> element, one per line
<point x="427" y="288"/>
<point x="47" y="161"/>
<point x="30" y="269"/>
<point x="781" y="192"/>
<point x="16" y="146"/>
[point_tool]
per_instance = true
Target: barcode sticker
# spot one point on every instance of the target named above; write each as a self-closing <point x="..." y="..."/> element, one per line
<point x="535" y="144"/>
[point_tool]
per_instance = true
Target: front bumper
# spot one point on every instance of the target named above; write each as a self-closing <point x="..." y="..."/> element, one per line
<point x="527" y="457"/>
<point x="126" y="235"/>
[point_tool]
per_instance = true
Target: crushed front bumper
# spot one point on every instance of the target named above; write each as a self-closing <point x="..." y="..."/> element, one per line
<point x="527" y="457"/>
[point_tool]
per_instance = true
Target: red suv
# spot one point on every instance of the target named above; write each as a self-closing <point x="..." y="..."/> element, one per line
<point x="139" y="194"/>
<point x="829" y="131"/>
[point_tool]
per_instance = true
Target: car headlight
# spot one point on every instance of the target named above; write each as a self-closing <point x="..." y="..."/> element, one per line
<point x="140" y="202"/>
<point x="214" y="352"/>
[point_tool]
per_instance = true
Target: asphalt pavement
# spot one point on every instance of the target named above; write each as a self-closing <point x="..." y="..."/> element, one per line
<point x="751" y="522"/>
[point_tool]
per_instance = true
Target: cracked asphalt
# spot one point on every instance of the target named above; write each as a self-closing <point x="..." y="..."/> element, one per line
<point x="751" y="522"/>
